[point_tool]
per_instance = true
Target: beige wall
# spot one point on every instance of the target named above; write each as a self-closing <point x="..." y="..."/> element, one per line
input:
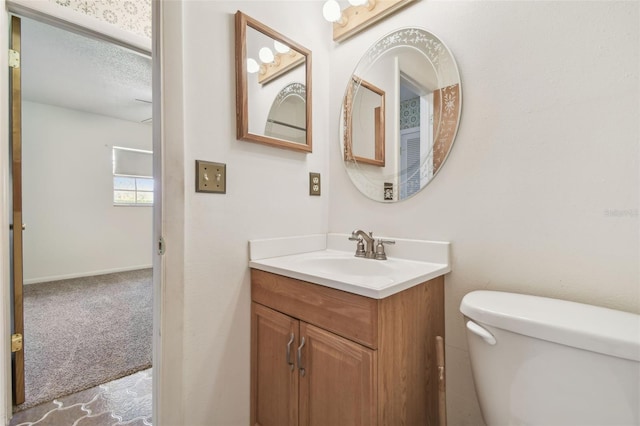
<point x="267" y="196"/>
<point x="540" y="192"/>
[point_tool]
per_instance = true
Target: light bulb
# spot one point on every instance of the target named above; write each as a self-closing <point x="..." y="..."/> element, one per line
<point x="331" y="11"/>
<point x="369" y="4"/>
<point x="266" y="55"/>
<point x="252" y="66"/>
<point x="280" y="47"/>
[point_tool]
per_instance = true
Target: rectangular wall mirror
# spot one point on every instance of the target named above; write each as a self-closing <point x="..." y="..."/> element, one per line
<point x="273" y="87"/>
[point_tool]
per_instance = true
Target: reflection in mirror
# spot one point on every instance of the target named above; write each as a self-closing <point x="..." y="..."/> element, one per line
<point x="275" y="64"/>
<point x="273" y="87"/>
<point x="368" y="102"/>
<point x="287" y="117"/>
<point x="419" y="78"/>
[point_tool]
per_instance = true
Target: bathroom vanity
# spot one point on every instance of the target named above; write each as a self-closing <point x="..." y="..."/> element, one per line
<point x="330" y="356"/>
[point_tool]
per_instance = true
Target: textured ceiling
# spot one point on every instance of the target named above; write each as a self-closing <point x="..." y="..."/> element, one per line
<point x="73" y="71"/>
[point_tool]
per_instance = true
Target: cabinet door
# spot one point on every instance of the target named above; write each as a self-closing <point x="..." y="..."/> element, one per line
<point x="337" y="380"/>
<point x="274" y="378"/>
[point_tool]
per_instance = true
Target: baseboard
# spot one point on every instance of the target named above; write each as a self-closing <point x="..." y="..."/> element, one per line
<point x="84" y="274"/>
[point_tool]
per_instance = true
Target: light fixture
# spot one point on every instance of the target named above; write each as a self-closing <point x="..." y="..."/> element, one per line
<point x="272" y="66"/>
<point x="359" y="15"/>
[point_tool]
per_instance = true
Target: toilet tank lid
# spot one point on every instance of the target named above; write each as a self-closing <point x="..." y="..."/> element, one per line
<point x="589" y="327"/>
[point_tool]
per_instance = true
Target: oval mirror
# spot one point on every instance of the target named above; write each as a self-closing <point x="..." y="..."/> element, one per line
<point x="400" y="114"/>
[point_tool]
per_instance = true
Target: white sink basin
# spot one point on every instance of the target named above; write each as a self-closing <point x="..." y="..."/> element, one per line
<point x="345" y="265"/>
<point x="343" y="271"/>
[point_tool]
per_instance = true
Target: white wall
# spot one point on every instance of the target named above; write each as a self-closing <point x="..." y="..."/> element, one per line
<point x="267" y="195"/>
<point x="540" y="192"/>
<point x="73" y="228"/>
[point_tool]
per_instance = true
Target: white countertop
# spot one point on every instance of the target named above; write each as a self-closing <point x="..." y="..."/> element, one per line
<point x="322" y="259"/>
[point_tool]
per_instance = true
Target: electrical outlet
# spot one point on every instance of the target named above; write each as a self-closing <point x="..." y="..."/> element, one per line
<point x="211" y="177"/>
<point x="314" y="183"/>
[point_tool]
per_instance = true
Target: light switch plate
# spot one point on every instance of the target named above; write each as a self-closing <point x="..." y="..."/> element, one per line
<point x="211" y="177"/>
<point x="314" y="183"/>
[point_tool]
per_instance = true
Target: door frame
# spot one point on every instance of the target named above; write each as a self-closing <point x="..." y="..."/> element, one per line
<point x="17" y="219"/>
<point x="73" y="21"/>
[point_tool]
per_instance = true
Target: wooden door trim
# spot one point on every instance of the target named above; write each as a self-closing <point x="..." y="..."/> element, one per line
<point x="16" y="173"/>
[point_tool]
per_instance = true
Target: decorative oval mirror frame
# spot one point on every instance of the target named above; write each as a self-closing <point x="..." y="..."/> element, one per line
<point x="414" y="63"/>
<point x="255" y="101"/>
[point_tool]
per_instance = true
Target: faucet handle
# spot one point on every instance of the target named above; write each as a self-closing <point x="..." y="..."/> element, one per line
<point x="380" y="254"/>
<point x="360" y="251"/>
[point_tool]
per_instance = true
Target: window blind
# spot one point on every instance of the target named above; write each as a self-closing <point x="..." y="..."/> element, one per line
<point x="132" y="162"/>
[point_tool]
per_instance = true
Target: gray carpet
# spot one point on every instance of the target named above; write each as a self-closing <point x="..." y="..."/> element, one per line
<point x="83" y="332"/>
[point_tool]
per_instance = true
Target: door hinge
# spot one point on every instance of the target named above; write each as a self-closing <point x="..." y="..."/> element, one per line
<point x="161" y="246"/>
<point x="14" y="58"/>
<point x="16" y="342"/>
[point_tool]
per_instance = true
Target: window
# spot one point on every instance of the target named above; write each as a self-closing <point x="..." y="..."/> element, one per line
<point x="132" y="177"/>
<point x="129" y="190"/>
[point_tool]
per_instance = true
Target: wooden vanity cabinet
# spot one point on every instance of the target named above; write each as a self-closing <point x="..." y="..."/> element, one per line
<point x="364" y="361"/>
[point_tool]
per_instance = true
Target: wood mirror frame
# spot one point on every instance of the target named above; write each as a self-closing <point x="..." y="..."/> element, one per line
<point x="242" y="23"/>
<point x="360" y="86"/>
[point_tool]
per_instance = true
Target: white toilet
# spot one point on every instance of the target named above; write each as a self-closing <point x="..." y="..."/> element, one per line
<point x="546" y="362"/>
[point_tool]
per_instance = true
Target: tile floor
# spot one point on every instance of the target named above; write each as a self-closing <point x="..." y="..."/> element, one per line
<point x="126" y="401"/>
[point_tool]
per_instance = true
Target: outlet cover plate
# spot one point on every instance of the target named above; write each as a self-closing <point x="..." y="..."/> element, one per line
<point x="314" y="183"/>
<point x="211" y="177"/>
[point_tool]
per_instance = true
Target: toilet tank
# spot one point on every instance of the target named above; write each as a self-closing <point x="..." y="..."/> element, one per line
<point x="538" y="361"/>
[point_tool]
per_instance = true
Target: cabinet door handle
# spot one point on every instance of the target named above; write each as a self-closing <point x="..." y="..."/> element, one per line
<point x="289" y="352"/>
<point x="300" y="367"/>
